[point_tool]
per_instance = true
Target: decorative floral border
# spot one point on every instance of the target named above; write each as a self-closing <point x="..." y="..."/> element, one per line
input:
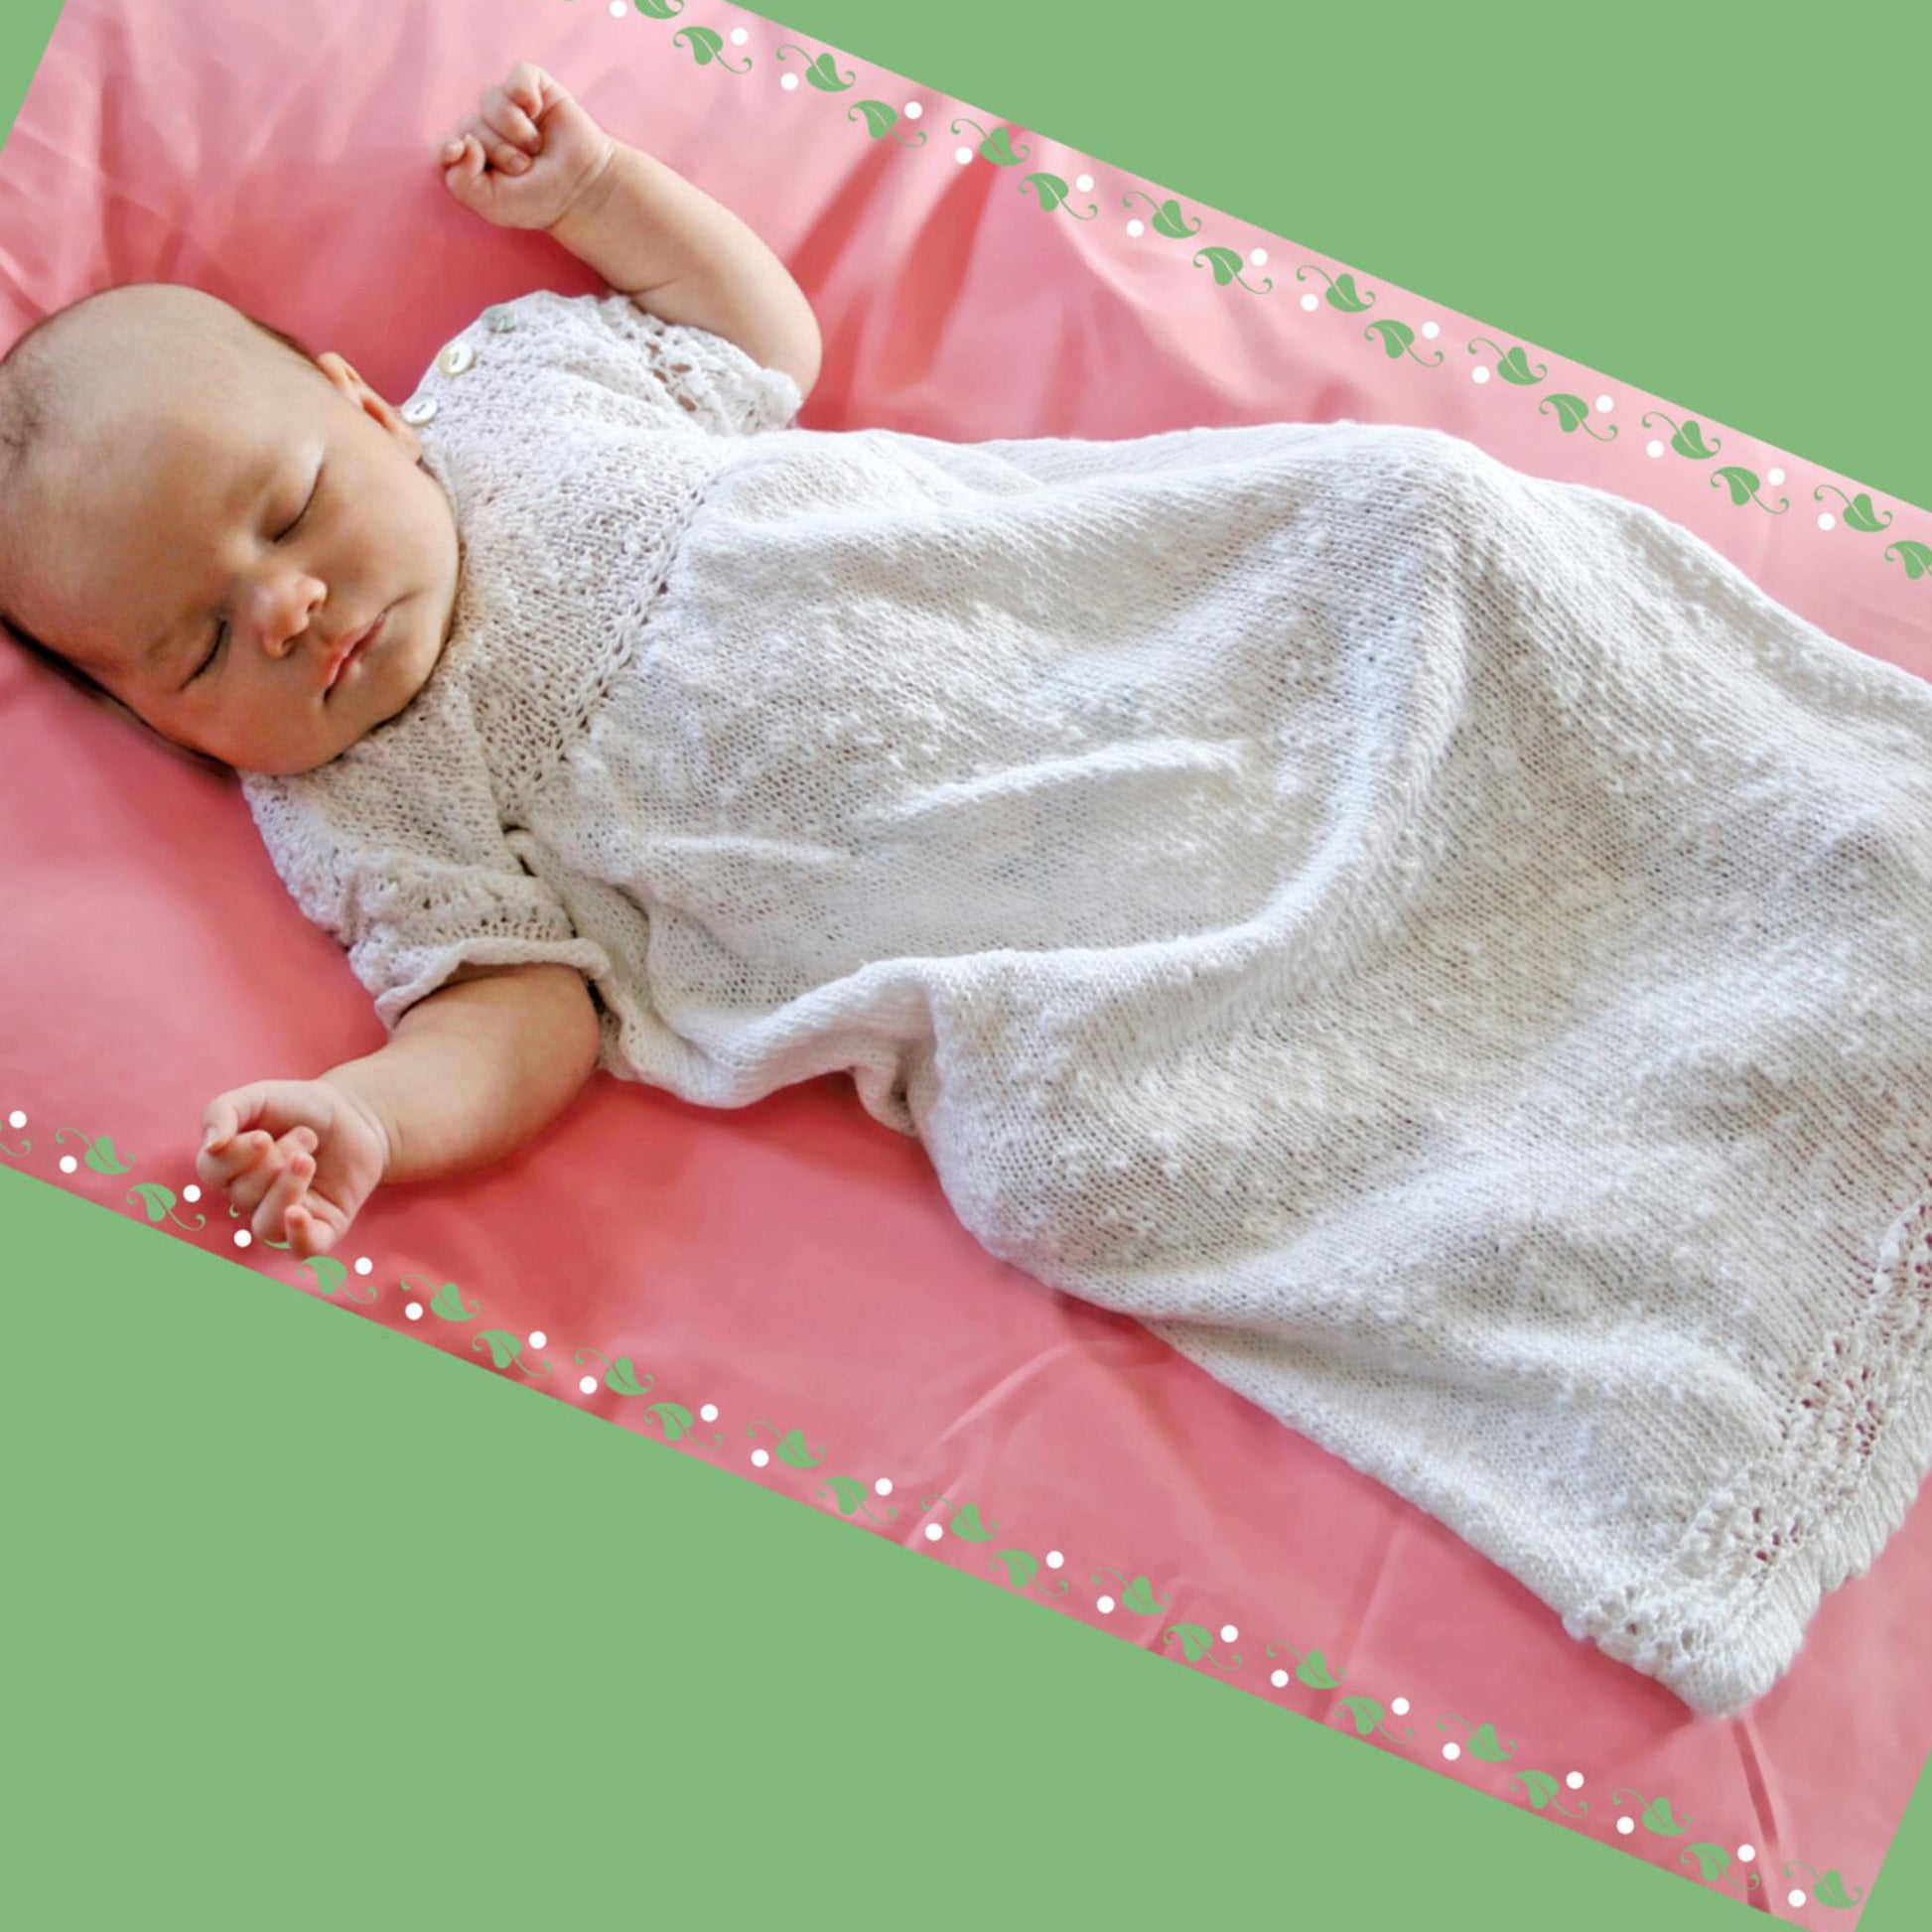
<point x="1396" y="338"/>
<point x="789" y="1444"/>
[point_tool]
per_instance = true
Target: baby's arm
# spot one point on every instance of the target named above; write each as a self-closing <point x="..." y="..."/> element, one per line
<point x="469" y="1075"/>
<point x="481" y="1065"/>
<point x="532" y="157"/>
<point x="687" y="259"/>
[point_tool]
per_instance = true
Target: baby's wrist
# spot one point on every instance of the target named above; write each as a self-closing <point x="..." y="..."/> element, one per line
<point x="370" y="1107"/>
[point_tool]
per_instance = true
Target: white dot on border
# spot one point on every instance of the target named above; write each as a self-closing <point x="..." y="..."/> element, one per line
<point x="760" y="1457"/>
<point x="414" y="1311"/>
<point x="914" y="109"/>
<point x="1605" y="404"/>
<point x="1400" y="1706"/>
<point x="708" y="1412"/>
<point x="788" y="82"/>
<point x="1746" y="1852"/>
<point x="242" y="1237"/>
<point x="1794" y="1899"/>
<point x="1653" y="447"/>
<point x="69" y="1164"/>
<point x="1054" y="1558"/>
<point x="190" y="1192"/>
<point x="1136" y="229"/>
<point x="1826" y="521"/>
<point x="1229" y="1634"/>
<point x="1575" y="1780"/>
<point x="1626" y="1826"/>
<point x="1105" y="1606"/>
<point x="1258" y="258"/>
<point x="882" y="1488"/>
<point x="1311" y="303"/>
<point x="363" y="1265"/>
<point x="619" y="9"/>
<point x="738" y="37"/>
<point x="934" y="1532"/>
<point x="1085" y="183"/>
<point x="587" y="1385"/>
<point x="1279" y="1679"/>
<point x="1479" y="375"/>
<point x="538" y="1339"/>
<point x="1451" y="1751"/>
<point x="962" y="155"/>
<point x="1431" y="330"/>
<point x="16" y="1118"/>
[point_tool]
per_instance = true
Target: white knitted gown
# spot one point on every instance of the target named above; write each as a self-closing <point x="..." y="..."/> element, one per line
<point x="1441" y="948"/>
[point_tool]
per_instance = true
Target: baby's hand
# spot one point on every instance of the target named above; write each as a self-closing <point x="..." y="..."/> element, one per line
<point x="299" y="1155"/>
<point x="527" y="157"/>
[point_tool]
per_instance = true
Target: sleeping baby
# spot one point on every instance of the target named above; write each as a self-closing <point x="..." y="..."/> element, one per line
<point x="1439" y="946"/>
<point x="255" y="553"/>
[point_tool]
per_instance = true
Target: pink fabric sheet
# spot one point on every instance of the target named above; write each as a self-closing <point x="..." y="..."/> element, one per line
<point x="792" y="1261"/>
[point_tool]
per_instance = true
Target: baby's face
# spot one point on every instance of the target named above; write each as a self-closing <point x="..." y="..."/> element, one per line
<point x="205" y="549"/>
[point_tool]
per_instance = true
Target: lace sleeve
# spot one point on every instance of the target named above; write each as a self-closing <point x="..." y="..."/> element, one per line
<point x="412" y="893"/>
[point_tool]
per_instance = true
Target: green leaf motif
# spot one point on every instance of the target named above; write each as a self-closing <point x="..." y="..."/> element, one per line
<point x="447" y="1304"/>
<point x="1573" y="411"/>
<point x="1689" y="441"/>
<point x="659" y="9"/>
<point x="1366" y="1713"/>
<point x="329" y="1273"/>
<point x="1021" y="1567"/>
<point x="1398" y="341"/>
<point x="1051" y="190"/>
<point x="966" y="1524"/>
<point x="674" y="1416"/>
<point x="994" y="146"/>
<point x="793" y="1450"/>
<point x="1828" y="1890"/>
<point x="505" y="1348"/>
<point x="1342" y="295"/>
<point x="823" y="72"/>
<point x="1170" y="220"/>
<point x="1742" y="482"/>
<point x="1485" y="1744"/>
<point x="1861" y="515"/>
<point x="159" y="1202"/>
<point x="156" y="1198"/>
<point x="1313" y="1670"/>
<point x="1538" y="1786"/>
<point x="621" y="1378"/>
<point x="100" y="1155"/>
<point x="1139" y="1597"/>
<point x="1195" y="1639"/>
<point x="1226" y="265"/>
<point x="1916" y="557"/>
<point x="708" y="45"/>
<point x="849" y="1490"/>
<point x="1657" y="1815"/>
<point x="1712" y="1860"/>
<point x="882" y="119"/>
<point x="1515" y="367"/>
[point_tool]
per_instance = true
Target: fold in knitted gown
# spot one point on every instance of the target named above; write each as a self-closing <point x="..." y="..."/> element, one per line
<point x="1441" y="948"/>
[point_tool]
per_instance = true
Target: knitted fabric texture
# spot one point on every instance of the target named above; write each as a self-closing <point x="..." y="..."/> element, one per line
<point x="1441" y="948"/>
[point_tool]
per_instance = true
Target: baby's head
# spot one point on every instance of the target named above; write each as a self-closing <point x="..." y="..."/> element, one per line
<point x="194" y="511"/>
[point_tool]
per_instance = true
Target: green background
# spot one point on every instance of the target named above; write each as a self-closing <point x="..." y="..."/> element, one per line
<point x="315" y="1627"/>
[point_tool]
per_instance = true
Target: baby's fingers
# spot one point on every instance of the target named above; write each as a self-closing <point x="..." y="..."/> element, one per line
<point x="270" y="1222"/>
<point x="505" y="118"/>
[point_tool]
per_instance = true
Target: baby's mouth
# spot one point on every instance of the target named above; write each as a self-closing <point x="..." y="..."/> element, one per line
<point x="358" y="648"/>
